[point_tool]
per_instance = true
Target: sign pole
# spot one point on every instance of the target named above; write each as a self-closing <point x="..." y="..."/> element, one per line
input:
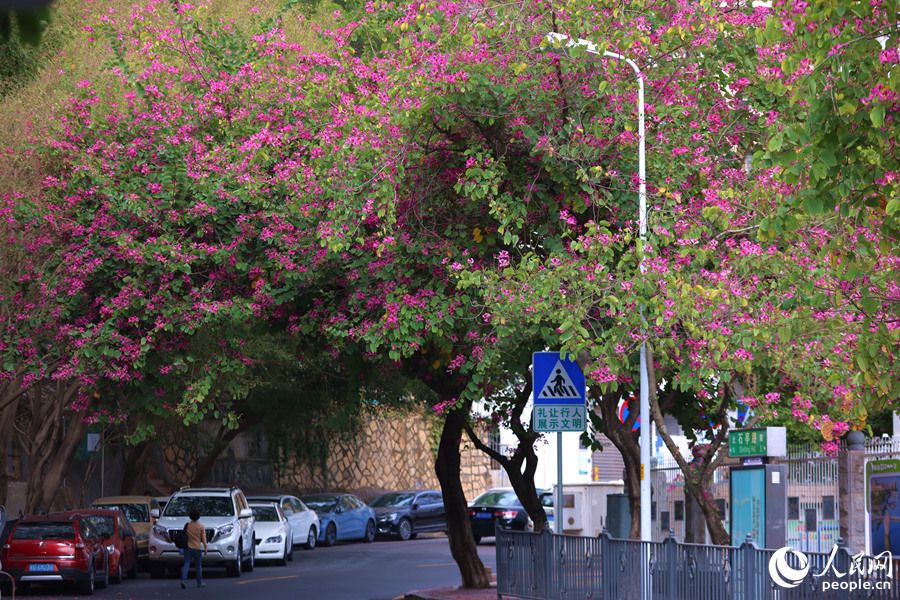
<point x="559" y="484"/>
<point x="559" y="404"/>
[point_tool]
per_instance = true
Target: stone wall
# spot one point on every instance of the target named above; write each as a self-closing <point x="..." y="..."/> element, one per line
<point x="391" y="451"/>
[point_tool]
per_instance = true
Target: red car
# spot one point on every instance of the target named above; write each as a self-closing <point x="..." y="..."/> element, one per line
<point x="118" y="537"/>
<point x="56" y="548"/>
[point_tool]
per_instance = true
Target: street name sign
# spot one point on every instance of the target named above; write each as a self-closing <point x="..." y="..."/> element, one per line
<point x="559" y="393"/>
<point x="761" y="441"/>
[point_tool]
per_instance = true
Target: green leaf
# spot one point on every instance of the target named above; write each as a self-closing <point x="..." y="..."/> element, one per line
<point x="814" y="203"/>
<point x="877" y="116"/>
<point x="784" y="334"/>
<point x="826" y="155"/>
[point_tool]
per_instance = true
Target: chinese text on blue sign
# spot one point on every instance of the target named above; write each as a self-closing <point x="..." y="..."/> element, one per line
<point x="559" y="393"/>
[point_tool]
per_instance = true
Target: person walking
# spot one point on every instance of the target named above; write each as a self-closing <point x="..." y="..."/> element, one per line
<point x="196" y="548"/>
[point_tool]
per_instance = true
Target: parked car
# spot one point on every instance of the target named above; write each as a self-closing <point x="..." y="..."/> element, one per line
<point x="497" y="506"/>
<point x="406" y="514"/>
<point x="229" y="530"/>
<point x="304" y="521"/>
<point x="118" y="537"/>
<point x="273" y="533"/>
<point x="56" y="549"/>
<point x="342" y="517"/>
<point x="137" y="510"/>
<point x="547" y="503"/>
<point x="162" y="501"/>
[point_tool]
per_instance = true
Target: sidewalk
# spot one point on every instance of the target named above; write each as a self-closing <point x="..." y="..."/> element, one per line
<point x="452" y="593"/>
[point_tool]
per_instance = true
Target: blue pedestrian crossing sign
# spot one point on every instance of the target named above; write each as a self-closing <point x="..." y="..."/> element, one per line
<point x="559" y="393"/>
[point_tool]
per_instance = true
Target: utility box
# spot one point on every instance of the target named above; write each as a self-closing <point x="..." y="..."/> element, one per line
<point x="759" y="505"/>
<point x="618" y="516"/>
<point x="585" y="507"/>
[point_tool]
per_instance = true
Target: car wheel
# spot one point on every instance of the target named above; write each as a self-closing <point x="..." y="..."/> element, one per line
<point x="251" y="561"/>
<point x="404" y="530"/>
<point x="330" y="534"/>
<point x="311" y="538"/>
<point x="87" y="586"/>
<point x="370" y="532"/>
<point x="157" y="570"/>
<point x="234" y="569"/>
<point x="120" y="573"/>
<point x="132" y="572"/>
<point x="103" y="583"/>
<point x="290" y="552"/>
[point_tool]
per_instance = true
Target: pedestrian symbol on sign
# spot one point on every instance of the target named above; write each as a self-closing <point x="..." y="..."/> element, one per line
<point x="559" y="385"/>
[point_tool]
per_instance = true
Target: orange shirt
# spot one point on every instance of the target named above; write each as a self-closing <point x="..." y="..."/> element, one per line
<point x="196" y="535"/>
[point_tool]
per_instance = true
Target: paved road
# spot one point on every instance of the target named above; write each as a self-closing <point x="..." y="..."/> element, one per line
<point x="379" y="571"/>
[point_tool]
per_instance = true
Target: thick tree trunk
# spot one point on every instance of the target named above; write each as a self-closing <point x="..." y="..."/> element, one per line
<point x="633" y="489"/>
<point x="54" y="436"/>
<point x="459" y="531"/>
<point x="7" y="419"/>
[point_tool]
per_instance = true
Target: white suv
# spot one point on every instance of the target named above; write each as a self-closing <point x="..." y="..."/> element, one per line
<point x="229" y="530"/>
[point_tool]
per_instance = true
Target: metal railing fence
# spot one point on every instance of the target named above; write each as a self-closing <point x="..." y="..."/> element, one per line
<point x="545" y="566"/>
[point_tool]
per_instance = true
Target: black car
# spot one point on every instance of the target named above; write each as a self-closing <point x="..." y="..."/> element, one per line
<point x="498" y="506"/>
<point x="406" y="514"/>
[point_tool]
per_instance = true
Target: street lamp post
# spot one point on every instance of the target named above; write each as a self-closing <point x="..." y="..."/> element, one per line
<point x="591" y="48"/>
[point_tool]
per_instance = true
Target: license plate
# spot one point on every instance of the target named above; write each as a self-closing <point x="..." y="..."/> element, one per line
<point x="483" y="515"/>
<point x="41" y="567"/>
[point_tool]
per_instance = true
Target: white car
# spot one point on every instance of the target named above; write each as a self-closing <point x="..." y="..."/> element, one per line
<point x="304" y="521"/>
<point x="273" y="533"/>
<point x="229" y="524"/>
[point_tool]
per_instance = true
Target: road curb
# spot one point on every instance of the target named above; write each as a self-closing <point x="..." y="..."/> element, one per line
<point x="451" y="594"/>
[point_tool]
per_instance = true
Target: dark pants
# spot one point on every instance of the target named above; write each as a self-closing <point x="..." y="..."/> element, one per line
<point x="197" y="557"/>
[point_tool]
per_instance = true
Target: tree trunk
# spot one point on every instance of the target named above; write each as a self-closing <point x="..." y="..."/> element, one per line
<point x="623" y="439"/>
<point x="224" y="438"/>
<point x="459" y="531"/>
<point x="54" y="436"/>
<point x="700" y="493"/>
<point x="522" y="481"/>
<point x="698" y="473"/>
<point x="7" y="419"/>
<point x="523" y="485"/>
<point x="135" y="469"/>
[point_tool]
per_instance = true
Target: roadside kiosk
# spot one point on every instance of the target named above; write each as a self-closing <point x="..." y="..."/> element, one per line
<point x="758" y="489"/>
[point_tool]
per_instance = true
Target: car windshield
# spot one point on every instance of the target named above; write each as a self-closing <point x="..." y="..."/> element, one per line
<point x="498" y="498"/>
<point x="393" y="500"/>
<point x="136" y="513"/>
<point x="320" y="503"/>
<point x="44" y="531"/>
<point x="104" y="525"/>
<point x="207" y="506"/>
<point x="265" y="514"/>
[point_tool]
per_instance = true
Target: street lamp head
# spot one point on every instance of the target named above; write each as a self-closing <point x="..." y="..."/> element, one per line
<point x="561" y="40"/>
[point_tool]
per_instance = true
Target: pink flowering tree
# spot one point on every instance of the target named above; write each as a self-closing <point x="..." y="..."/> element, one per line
<point x="827" y="92"/>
